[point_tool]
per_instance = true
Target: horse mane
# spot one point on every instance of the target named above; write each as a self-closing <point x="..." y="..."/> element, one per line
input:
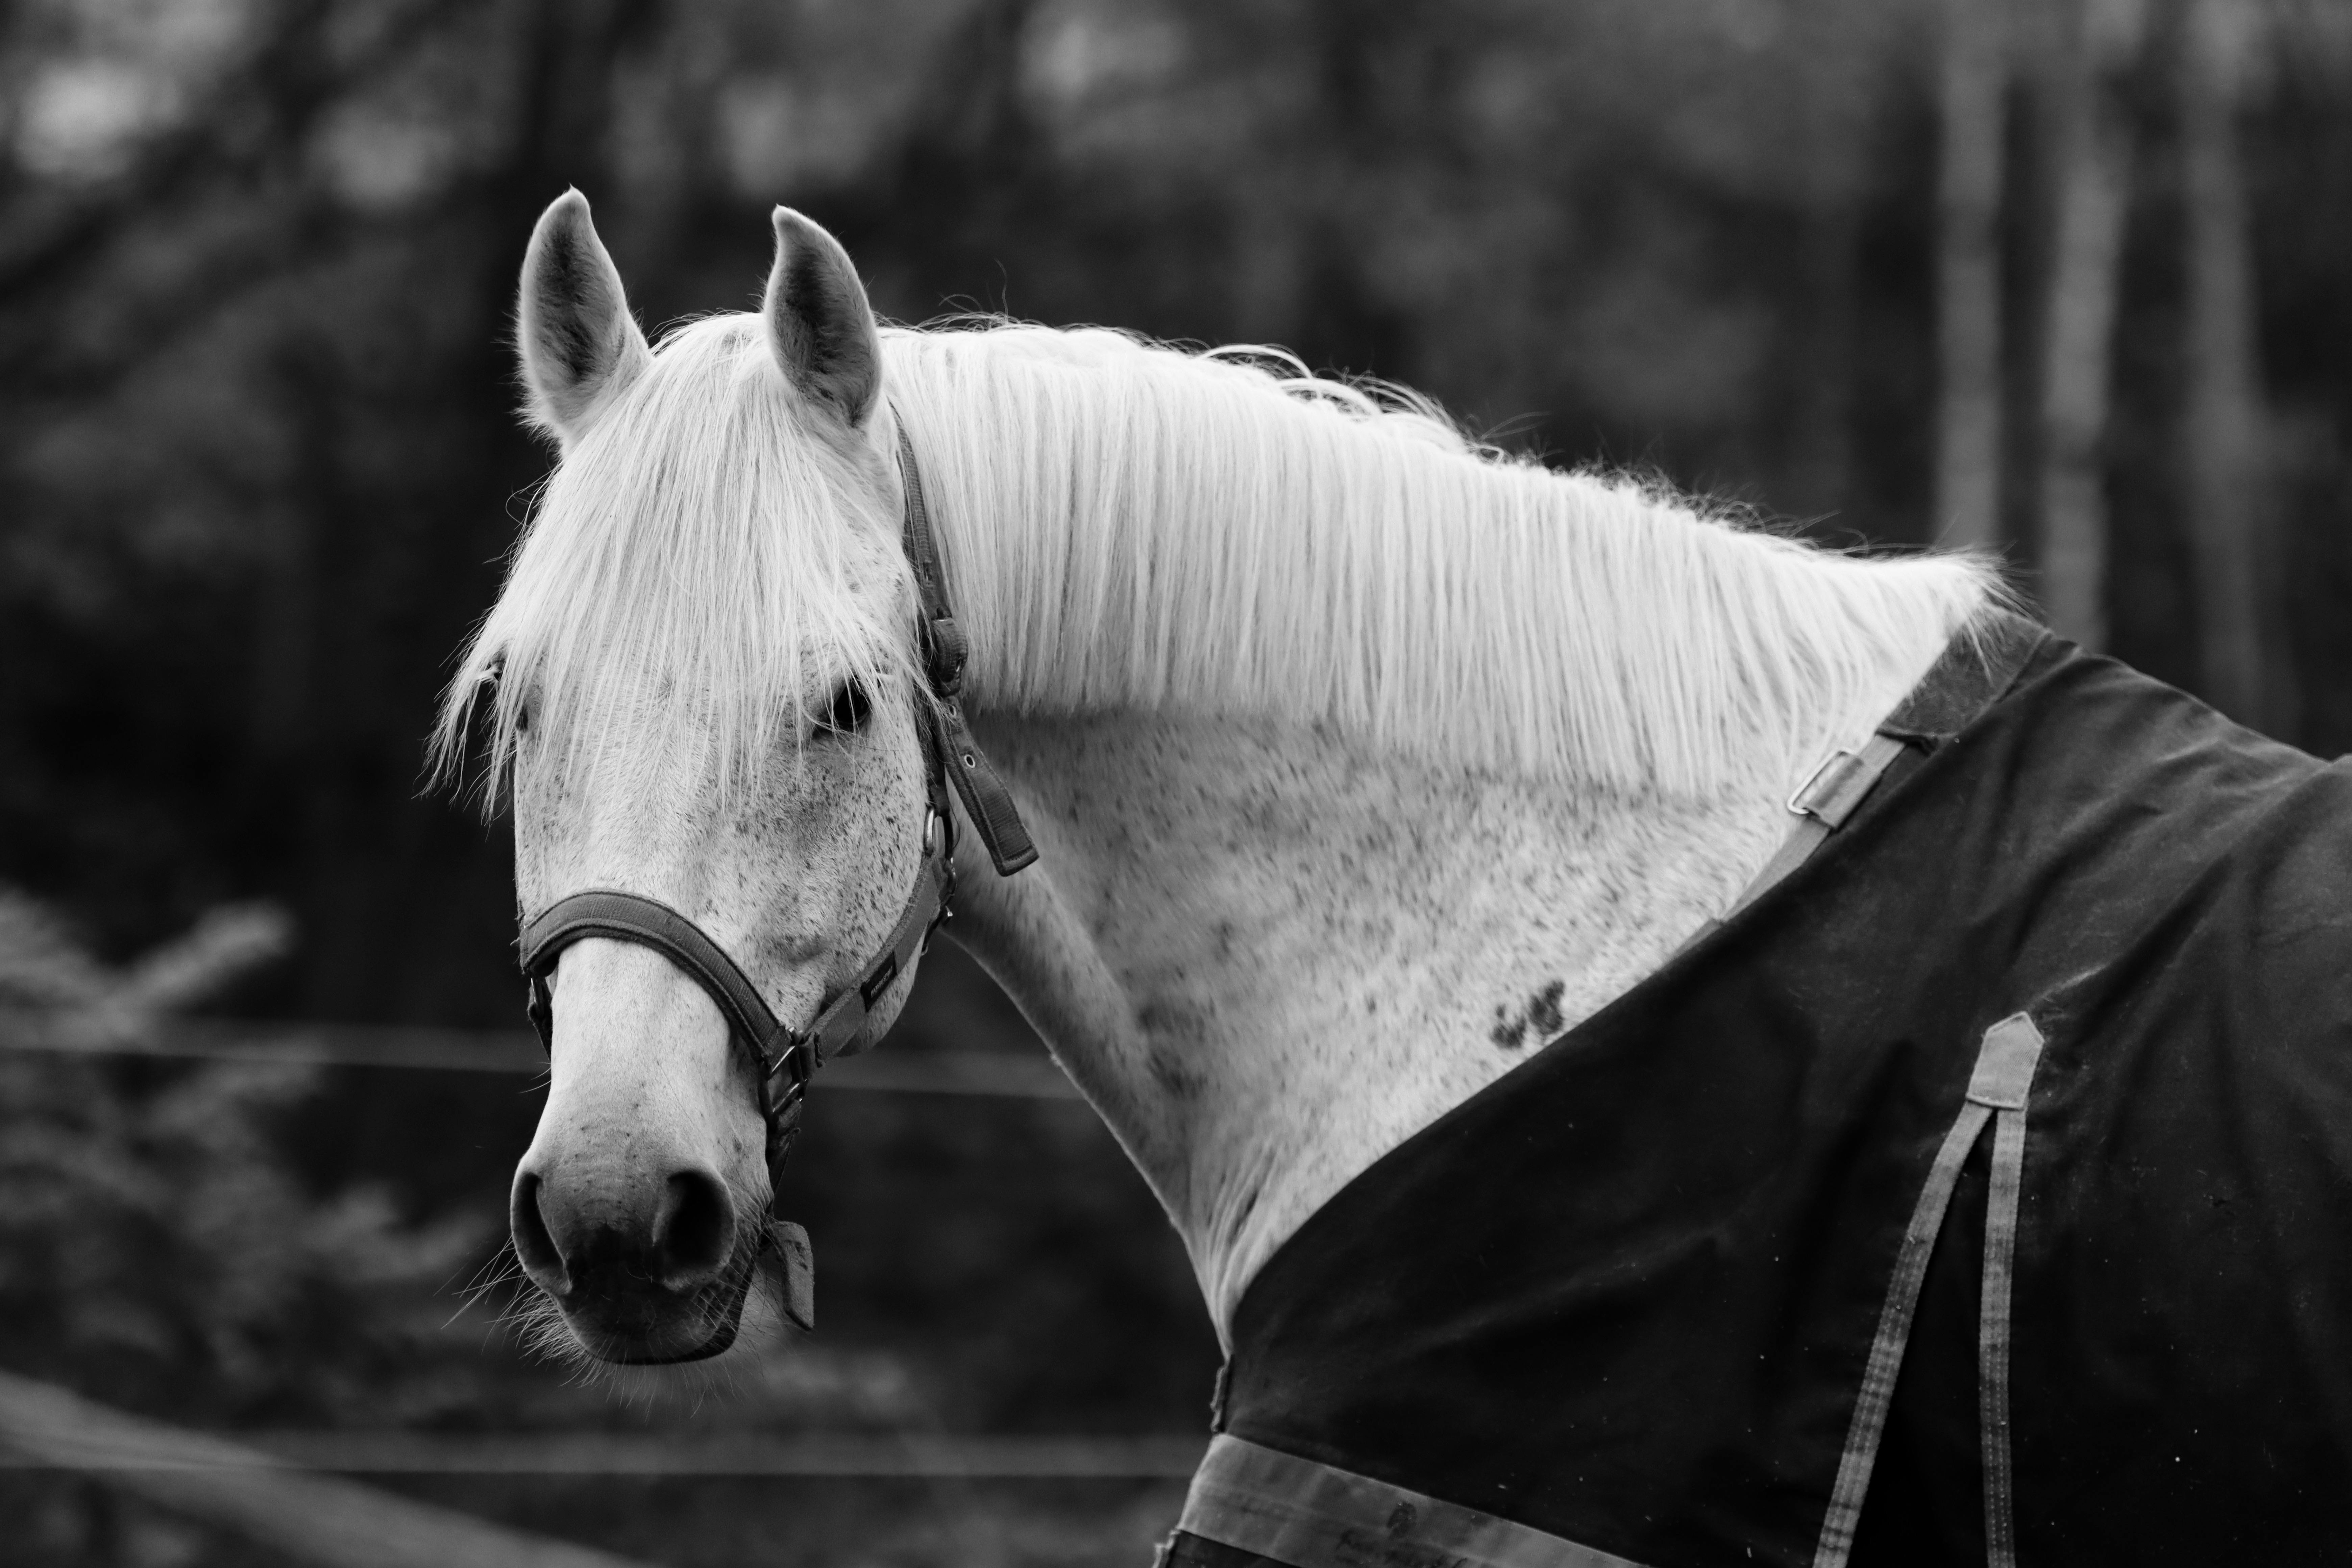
<point x="1128" y="524"/>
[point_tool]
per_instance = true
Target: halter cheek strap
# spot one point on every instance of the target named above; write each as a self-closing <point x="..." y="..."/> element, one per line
<point x="785" y="1059"/>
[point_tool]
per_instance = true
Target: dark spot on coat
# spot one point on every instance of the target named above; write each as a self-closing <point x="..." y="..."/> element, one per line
<point x="1542" y="1015"/>
<point x="1543" y="1010"/>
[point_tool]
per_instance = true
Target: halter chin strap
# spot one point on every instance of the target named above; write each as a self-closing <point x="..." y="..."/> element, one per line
<point x="785" y="1059"/>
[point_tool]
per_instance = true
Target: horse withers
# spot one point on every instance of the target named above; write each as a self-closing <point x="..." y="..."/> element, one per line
<point x="1375" y="779"/>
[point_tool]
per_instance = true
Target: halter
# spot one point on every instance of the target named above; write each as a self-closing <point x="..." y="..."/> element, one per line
<point x="785" y="1059"/>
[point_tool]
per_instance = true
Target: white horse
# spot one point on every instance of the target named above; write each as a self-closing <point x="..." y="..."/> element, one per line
<point x="1361" y="760"/>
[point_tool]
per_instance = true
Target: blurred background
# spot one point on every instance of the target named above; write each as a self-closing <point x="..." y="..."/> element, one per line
<point x="2063" y="279"/>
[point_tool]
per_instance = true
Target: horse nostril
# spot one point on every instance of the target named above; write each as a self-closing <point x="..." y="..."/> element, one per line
<point x="696" y="1231"/>
<point x="541" y="1259"/>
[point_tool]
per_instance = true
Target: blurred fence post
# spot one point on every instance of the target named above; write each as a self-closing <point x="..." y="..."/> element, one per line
<point x="1975" y="80"/>
<point x="312" y="1518"/>
<point x="2094" y="195"/>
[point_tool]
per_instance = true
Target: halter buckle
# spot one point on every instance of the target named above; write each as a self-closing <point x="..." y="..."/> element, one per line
<point x="795" y="1057"/>
<point x="945" y="650"/>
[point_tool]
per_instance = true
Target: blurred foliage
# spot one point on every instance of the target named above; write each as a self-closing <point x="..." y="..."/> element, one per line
<point x="154" y="1248"/>
<point x="155" y="1244"/>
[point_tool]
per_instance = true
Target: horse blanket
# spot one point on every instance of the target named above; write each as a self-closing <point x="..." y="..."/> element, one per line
<point x="1731" y="1258"/>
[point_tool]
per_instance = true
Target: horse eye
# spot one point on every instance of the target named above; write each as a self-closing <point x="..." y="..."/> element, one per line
<point x="846" y="713"/>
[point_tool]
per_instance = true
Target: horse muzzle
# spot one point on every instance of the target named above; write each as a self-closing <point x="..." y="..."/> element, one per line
<point x="643" y="1273"/>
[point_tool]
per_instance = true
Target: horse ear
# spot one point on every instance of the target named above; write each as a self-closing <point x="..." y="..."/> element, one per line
<point x="819" y="324"/>
<point x="579" y="345"/>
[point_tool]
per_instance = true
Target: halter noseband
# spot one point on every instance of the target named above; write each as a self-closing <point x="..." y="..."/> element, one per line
<point x="785" y="1058"/>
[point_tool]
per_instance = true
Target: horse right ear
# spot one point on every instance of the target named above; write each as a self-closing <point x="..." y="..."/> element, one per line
<point x="580" y="346"/>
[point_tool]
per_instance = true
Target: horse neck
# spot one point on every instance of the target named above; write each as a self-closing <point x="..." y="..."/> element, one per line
<point x="1270" y="943"/>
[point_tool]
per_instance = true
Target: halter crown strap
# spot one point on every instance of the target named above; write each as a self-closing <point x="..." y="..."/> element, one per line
<point x="945" y="648"/>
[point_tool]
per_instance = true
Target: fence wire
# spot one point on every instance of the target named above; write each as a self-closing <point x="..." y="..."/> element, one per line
<point x="100" y="1032"/>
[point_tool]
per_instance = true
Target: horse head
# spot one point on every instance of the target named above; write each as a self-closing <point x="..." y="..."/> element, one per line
<point x="703" y="681"/>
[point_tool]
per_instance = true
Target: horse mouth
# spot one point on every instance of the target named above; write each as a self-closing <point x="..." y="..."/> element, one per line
<point x="651" y="1326"/>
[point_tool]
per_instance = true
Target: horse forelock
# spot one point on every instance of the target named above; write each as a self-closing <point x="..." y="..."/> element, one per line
<point x="696" y="572"/>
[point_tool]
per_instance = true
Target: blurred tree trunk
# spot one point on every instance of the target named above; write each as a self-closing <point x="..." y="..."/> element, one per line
<point x="2093" y="192"/>
<point x="1968" y="273"/>
<point x="2224" y="444"/>
<point x="1821" y="480"/>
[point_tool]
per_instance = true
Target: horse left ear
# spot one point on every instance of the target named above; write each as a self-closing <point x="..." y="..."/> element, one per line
<point x="819" y="324"/>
